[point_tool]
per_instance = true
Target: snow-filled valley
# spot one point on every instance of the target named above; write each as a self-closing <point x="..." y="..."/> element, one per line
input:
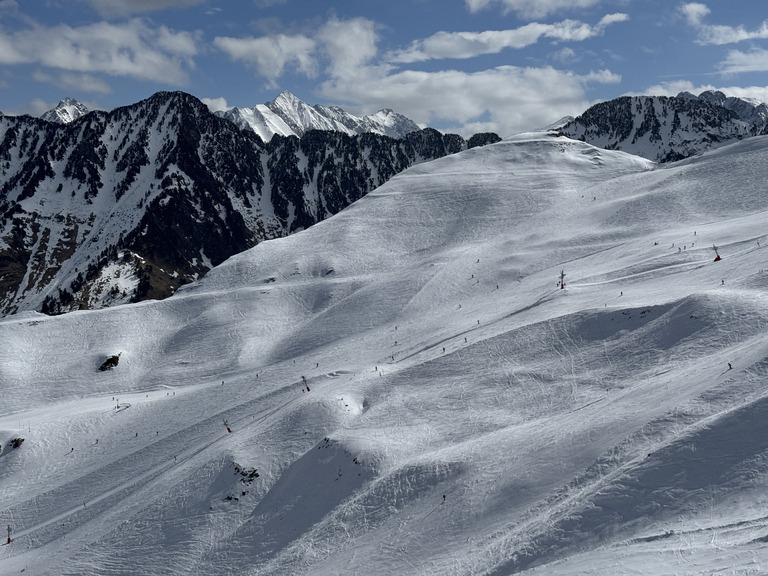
<point x="405" y="389"/>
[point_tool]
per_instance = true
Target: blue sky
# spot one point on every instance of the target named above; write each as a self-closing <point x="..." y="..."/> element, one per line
<point x="457" y="65"/>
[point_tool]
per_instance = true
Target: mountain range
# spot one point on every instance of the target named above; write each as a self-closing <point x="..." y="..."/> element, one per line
<point x="130" y="204"/>
<point x="102" y="208"/>
<point x="665" y="128"/>
<point x="286" y="115"/>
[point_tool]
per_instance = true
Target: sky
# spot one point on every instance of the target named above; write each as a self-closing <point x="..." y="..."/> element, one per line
<point x="462" y="66"/>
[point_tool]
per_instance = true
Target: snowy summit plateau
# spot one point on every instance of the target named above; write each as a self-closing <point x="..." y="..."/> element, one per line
<point x="545" y="354"/>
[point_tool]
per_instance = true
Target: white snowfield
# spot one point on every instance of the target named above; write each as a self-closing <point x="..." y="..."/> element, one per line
<point x="410" y="392"/>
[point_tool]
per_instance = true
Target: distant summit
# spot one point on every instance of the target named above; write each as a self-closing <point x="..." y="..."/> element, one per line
<point x="287" y="115"/>
<point x="66" y="111"/>
<point x="747" y="109"/>
<point x="665" y="129"/>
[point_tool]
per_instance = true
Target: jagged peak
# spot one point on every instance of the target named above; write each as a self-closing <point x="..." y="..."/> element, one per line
<point x="713" y="96"/>
<point x="286" y="97"/>
<point x="66" y="111"/>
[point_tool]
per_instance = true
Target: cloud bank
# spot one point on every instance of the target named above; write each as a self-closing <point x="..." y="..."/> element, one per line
<point x="134" y="49"/>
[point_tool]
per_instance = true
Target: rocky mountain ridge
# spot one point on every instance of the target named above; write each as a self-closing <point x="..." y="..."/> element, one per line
<point x="664" y="129"/>
<point x="66" y="111"/>
<point x="131" y="204"/>
<point x="287" y="115"/>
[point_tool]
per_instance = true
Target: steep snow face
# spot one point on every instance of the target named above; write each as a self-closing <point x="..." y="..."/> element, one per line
<point x="66" y="111"/>
<point x="405" y="388"/>
<point x="389" y="123"/>
<point x="260" y="119"/>
<point x="287" y="115"/>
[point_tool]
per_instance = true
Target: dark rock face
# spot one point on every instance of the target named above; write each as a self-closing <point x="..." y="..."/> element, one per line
<point x="665" y="128"/>
<point x="131" y="204"/>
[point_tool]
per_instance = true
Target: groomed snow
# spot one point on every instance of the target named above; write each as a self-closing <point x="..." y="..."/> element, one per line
<point x="415" y="392"/>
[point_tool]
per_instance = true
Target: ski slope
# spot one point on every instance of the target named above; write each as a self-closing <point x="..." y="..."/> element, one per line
<point x="405" y="389"/>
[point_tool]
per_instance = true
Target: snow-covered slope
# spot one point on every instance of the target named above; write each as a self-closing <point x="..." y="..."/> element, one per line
<point x="405" y="389"/>
<point x="287" y="115"/>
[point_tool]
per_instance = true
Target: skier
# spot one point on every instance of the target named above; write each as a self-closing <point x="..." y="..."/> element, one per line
<point x="729" y="366"/>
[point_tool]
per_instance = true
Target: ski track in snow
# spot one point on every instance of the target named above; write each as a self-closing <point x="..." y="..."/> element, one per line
<point x="405" y="389"/>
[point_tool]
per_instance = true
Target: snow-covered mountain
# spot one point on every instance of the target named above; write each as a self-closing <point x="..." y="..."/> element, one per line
<point x="130" y="204"/>
<point x="665" y="128"/>
<point x="404" y="388"/>
<point x="66" y="111"/>
<point x="287" y="115"/>
<point x="748" y="109"/>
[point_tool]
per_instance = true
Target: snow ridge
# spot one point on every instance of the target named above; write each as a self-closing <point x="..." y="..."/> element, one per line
<point x="287" y="115"/>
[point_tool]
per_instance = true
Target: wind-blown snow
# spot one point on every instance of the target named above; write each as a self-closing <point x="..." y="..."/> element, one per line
<point x="415" y="392"/>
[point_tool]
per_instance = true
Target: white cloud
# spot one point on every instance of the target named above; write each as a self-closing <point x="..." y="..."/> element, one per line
<point x="695" y="13"/>
<point x="132" y="49"/>
<point x="120" y="8"/>
<point x="348" y="44"/>
<point x="515" y="99"/>
<point x="506" y="99"/>
<point x="531" y="8"/>
<point x="565" y="55"/>
<point x="216" y="104"/>
<point x="672" y="88"/>
<point x="271" y="54"/>
<point x="756" y="60"/>
<point x="472" y="44"/>
<point x="727" y="35"/>
<point x="342" y="46"/>
<point x="74" y="82"/>
<point x="37" y="107"/>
